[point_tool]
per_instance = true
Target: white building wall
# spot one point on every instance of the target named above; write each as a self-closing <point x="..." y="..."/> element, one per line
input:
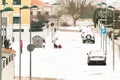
<point x="8" y="66"/>
<point x="25" y="36"/>
<point x="8" y="72"/>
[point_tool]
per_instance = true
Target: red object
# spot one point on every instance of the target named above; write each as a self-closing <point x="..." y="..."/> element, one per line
<point x="59" y="46"/>
<point x="52" y="24"/>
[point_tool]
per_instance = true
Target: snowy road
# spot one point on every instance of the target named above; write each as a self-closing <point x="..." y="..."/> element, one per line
<point x="68" y="63"/>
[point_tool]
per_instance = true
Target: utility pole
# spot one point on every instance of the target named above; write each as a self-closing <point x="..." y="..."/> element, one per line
<point x="0" y="46"/>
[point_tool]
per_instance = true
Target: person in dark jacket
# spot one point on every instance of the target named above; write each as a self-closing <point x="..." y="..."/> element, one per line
<point x="5" y="43"/>
<point x="44" y="43"/>
<point x="55" y="45"/>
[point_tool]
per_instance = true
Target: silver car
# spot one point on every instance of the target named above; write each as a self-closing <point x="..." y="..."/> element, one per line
<point x="96" y="57"/>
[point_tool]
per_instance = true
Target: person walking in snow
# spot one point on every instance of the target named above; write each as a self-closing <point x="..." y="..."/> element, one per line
<point x="21" y="45"/>
<point x="44" y="43"/>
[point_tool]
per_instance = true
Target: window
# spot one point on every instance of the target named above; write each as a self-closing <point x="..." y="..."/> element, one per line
<point x="3" y="63"/>
<point x="3" y="2"/>
<point x="16" y="2"/>
<point x="31" y="13"/>
<point x="46" y="13"/>
<point x="10" y="58"/>
<point x="7" y="61"/>
<point x="16" y="20"/>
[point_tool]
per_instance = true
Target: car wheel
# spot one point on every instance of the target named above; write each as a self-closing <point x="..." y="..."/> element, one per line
<point x="104" y="63"/>
<point x="83" y="41"/>
<point x="89" y="63"/>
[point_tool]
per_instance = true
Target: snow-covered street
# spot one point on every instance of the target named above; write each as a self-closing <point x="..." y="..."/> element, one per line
<point x="69" y="62"/>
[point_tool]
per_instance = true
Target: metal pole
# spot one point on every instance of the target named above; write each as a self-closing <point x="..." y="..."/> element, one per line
<point x="12" y="28"/>
<point x="99" y="24"/>
<point x="19" y="48"/>
<point x="3" y="24"/>
<point x="113" y="49"/>
<point x="119" y="50"/>
<point x="106" y="44"/>
<point x="30" y="60"/>
<point x="30" y="51"/>
<point x="113" y="40"/>
<point x="103" y="42"/>
<point x="100" y="29"/>
<point x="101" y="38"/>
<point x="106" y="34"/>
<point x="1" y="46"/>
<point x="0" y="54"/>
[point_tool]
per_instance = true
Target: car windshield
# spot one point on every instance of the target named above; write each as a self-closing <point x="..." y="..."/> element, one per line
<point x="97" y="53"/>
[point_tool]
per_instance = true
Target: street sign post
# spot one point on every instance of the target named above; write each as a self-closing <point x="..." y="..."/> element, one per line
<point x="37" y="41"/>
<point x="52" y="24"/>
<point x="30" y="47"/>
<point x="103" y="30"/>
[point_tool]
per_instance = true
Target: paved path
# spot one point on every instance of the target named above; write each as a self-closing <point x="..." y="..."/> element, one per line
<point x="36" y="78"/>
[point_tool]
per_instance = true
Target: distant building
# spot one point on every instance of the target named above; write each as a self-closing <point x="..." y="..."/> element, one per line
<point x="11" y="21"/>
<point x="43" y="7"/>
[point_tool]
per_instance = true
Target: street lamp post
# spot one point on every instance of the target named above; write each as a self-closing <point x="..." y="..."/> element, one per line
<point x="19" y="48"/>
<point x="106" y="33"/>
<point x="12" y="27"/>
<point x="1" y="46"/>
<point x="56" y="13"/>
<point x="113" y="39"/>
<point x="24" y="7"/>
<point x="3" y="30"/>
<point x="30" y="74"/>
<point x="102" y="36"/>
<point x="111" y="7"/>
<point x="104" y="4"/>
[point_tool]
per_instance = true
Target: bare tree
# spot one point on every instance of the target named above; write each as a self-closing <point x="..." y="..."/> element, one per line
<point x="75" y="8"/>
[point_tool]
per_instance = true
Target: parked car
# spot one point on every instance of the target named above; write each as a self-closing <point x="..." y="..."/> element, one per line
<point x="96" y="57"/>
<point x="84" y="30"/>
<point x="88" y="37"/>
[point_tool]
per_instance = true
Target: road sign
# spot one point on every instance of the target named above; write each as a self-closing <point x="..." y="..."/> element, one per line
<point x="18" y="30"/>
<point x="52" y="24"/>
<point x="30" y="47"/>
<point x="103" y="30"/>
<point x="37" y="41"/>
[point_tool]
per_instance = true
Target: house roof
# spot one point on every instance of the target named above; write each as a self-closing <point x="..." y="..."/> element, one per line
<point x="8" y="50"/>
<point x="37" y="2"/>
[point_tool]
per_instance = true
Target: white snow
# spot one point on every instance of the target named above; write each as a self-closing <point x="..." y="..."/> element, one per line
<point x="69" y="62"/>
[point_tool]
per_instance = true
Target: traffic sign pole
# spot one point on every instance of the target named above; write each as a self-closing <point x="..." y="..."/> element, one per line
<point x="103" y="33"/>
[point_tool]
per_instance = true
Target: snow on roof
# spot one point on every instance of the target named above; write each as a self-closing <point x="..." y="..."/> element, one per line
<point x="8" y="50"/>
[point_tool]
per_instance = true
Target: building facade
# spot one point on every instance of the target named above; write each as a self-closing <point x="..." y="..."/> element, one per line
<point x="11" y="20"/>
